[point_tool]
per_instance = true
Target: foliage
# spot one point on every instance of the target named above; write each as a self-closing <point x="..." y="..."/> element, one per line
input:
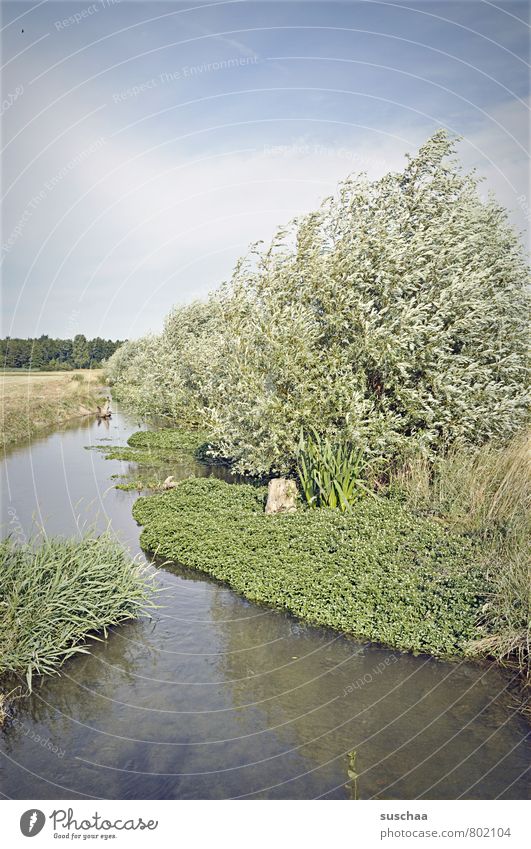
<point x="376" y="571"/>
<point x="487" y="492"/>
<point x="57" y="594"/>
<point x="168" y="439"/>
<point x="158" y="447"/>
<point x="56" y="354"/>
<point x="352" y="773"/>
<point x="167" y="375"/>
<point x="394" y="317"/>
<point x="330" y="474"/>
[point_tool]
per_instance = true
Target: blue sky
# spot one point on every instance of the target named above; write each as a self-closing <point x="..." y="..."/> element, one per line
<point x="147" y="144"/>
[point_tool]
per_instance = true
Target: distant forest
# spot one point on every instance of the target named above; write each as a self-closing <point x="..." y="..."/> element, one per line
<point x="47" y="354"/>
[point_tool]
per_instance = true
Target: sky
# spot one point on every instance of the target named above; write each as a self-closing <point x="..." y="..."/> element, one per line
<point x="146" y="145"/>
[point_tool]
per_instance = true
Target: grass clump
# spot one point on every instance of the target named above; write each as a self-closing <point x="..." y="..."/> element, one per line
<point x="56" y="595"/>
<point x="487" y="492"/>
<point x="330" y="473"/>
<point x="376" y="571"/>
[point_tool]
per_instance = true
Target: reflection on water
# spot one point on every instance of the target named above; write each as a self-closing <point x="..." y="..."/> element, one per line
<point x="215" y="697"/>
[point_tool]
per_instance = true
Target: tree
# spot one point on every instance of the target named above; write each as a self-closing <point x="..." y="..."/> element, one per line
<point x="394" y="316"/>
<point x="80" y="352"/>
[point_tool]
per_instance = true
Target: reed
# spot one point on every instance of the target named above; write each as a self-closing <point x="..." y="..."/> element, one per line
<point x="331" y="473"/>
<point x="56" y="594"/>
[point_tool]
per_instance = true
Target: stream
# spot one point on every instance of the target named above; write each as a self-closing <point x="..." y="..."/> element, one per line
<point x="215" y="697"/>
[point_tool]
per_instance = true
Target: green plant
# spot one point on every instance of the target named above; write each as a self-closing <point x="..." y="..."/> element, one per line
<point x="377" y="571"/>
<point x="352" y="774"/>
<point x="330" y="473"/>
<point x="57" y="594"/>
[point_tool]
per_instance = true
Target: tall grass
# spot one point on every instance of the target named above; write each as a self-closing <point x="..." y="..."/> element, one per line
<point x="56" y="594"/>
<point x="31" y="402"/>
<point x="330" y="473"/>
<point x="487" y="492"/>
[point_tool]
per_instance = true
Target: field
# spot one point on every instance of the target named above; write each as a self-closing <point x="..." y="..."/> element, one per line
<point x="34" y="401"/>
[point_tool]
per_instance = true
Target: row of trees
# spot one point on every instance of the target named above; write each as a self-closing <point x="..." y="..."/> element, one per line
<point x="394" y="316"/>
<point x="56" y="354"/>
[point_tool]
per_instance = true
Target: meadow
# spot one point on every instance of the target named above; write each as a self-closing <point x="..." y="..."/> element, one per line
<point x="32" y="401"/>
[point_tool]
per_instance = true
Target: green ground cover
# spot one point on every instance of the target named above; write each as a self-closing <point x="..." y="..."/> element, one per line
<point x="378" y="571"/>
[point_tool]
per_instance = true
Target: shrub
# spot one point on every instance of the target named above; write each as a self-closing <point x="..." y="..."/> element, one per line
<point x="168" y="375"/>
<point x="395" y="316"/>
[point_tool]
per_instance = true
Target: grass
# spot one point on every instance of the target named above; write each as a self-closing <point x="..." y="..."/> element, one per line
<point x="377" y="571"/>
<point x="486" y="493"/>
<point x="58" y="594"/>
<point x="34" y="401"/>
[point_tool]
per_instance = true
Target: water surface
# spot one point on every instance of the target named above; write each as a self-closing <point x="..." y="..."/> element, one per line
<point x="215" y="697"/>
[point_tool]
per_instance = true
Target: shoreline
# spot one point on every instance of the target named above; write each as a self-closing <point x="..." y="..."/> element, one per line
<point x="36" y="401"/>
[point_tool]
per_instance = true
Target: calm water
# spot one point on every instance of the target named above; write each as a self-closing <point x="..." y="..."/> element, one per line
<point x="216" y="698"/>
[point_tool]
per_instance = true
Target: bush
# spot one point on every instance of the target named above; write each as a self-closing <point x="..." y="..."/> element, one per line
<point x="55" y="595"/>
<point x="393" y="317"/>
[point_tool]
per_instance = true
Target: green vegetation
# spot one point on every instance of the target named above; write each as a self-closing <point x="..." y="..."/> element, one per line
<point x="159" y="447"/>
<point x="395" y="317"/>
<point x="352" y="784"/>
<point x="390" y="328"/>
<point x="55" y="354"/>
<point x="486" y="493"/>
<point x="168" y="440"/>
<point x="376" y="571"/>
<point x="57" y="595"/>
<point x="34" y="401"/>
<point x="330" y="475"/>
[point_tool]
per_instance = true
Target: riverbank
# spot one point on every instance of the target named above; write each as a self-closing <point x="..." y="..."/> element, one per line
<point x="33" y="401"/>
<point x="437" y="563"/>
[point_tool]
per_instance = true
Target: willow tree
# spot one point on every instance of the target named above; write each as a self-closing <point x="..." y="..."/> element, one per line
<point x="167" y="374"/>
<point x="395" y="315"/>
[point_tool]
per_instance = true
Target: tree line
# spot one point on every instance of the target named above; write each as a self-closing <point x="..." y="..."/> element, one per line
<point x="48" y="354"/>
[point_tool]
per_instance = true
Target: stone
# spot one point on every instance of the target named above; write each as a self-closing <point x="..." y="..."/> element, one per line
<point x="281" y="496"/>
<point x="169" y="483"/>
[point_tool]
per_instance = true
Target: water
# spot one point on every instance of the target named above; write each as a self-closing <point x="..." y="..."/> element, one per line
<point x="217" y="698"/>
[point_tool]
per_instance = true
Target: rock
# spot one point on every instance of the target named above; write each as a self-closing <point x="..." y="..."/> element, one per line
<point x="281" y="496"/>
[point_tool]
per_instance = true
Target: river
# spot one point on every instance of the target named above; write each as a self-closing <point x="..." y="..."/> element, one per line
<point x="215" y="698"/>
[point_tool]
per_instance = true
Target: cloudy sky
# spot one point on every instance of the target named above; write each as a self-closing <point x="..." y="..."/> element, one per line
<point x="146" y="144"/>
